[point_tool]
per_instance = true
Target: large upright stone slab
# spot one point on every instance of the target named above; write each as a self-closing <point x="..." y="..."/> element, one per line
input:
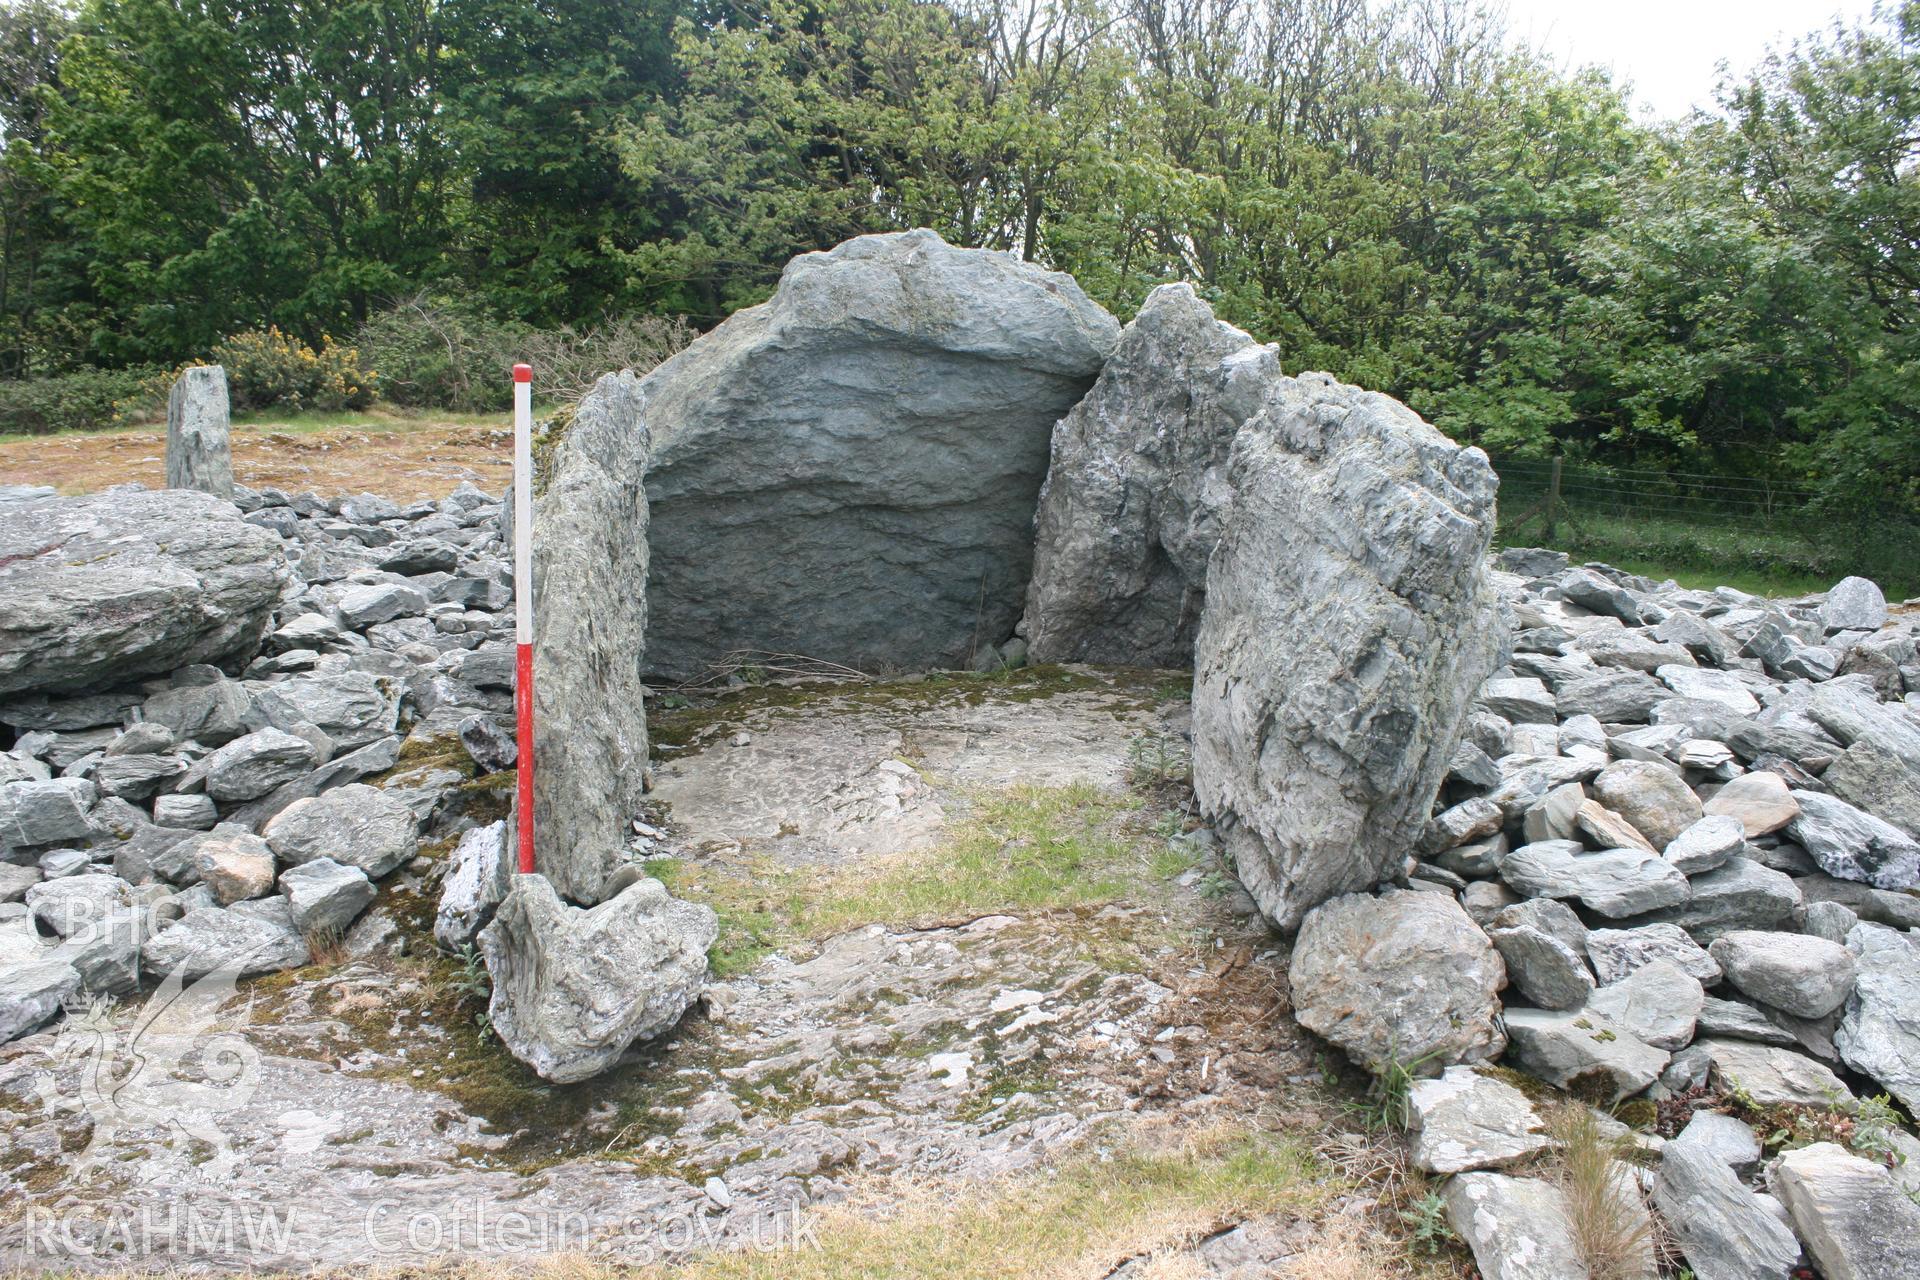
<point x="849" y="471"/>
<point x="199" y="454"/>
<point x="106" y="588"/>
<point x="590" y="635"/>
<point x="1349" y="622"/>
<point x="1134" y="493"/>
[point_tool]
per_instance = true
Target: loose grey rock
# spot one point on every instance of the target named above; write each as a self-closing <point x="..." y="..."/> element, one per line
<point x="1856" y="1223"/>
<point x="1612" y="697"/>
<point x="1721" y="688"/>
<point x="1771" y="1075"/>
<point x="1659" y="1003"/>
<point x="71" y="903"/>
<point x="1618" y="952"/>
<point x="1654" y="799"/>
<point x="1544" y="946"/>
<point x="1872" y="778"/>
<point x="32" y="995"/>
<point x="1706" y="844"/>
<point x="1761" y="801"/>
<point x="1589" y="590"/>
<point x="106" y="952"/>
<point x="573" y="988"/>
<point x="324" y="897"/>
<point x="353" y="708"/>
<point x="355" y="825"/>
<point x="490" y="745"/>
<point x="880" y="428"/>
<point x="15" y="881"/>
<point x="1556" y="816"/>
<point x="212" y="713"/>
<point x="1854" y="604"/>
<point x="1366" y="974"/>
<point x="1520" y="699"/>
<point x="199" y="455"/>
<point x="477" y="878"/>
<point x="1337" y="657"/>
<point x="117" y="585"/>
<point x="1880" y="1034"/>
<point x="1517" y="1228"/>
<point x="1136" y="485"/>
<point x="246" y="938"/>
<point x="1741" y="1021"/>
<point x="1730" y="1140"/>
<point x="1739" y="894"/>
<point x="39" y="813"/>
<point x="192" y="813"/>
<point x="1463" y="1120"/>
<point x="1582" y="1051"/>
<point x="1612" y="882"/>
<point x="591" y="535"/>
<point x="1854" y="845"/>
<point x="1831" y="920"/>
<point x="255" y="764"/>
<point x="1807" y="977"/>
<point x="1722" y="1227"/>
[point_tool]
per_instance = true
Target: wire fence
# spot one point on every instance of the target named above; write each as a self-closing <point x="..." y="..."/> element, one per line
<point x="1698" y="519"/>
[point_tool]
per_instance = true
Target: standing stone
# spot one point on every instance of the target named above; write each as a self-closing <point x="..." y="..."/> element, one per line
<point x="573" y="988"/>
<point x="590" y="545"/>
<point x="1136" y="487"/>
<point x="1350" y="621"/>
<point x="1404" y="977"/>
<point x="198" y="453"/>
<point x="850" y="470"/>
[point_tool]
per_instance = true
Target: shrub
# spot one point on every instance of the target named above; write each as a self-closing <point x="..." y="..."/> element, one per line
<point x="439" y="353"/>
<point x="81" y="401"/>
<point x="436" y="352"/>
<point x="271" y="369"/>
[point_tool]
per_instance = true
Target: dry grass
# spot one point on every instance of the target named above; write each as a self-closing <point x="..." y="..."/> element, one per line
<point x="399" y="456"/>
<point x="1148" y="1197"/>
<point x="1611" y="1225"/>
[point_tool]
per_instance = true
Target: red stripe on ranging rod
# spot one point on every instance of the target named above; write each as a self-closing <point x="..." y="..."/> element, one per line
<point x="523" y="608"/>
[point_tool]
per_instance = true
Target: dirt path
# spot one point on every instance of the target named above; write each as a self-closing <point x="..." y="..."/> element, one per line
<point x="404" y="459"/>
<point x="997" y="960"/>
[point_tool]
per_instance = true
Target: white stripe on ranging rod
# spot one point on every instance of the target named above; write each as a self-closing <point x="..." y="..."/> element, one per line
<point x="523" y="609"/>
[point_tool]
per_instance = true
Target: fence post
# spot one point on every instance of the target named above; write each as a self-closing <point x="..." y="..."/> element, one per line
<point x="1553" y="496"/>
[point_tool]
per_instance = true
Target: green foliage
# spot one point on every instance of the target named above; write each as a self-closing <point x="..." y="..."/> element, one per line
<point x="1427" y="1223"/>
<point x="84" y="400"/>
<point x="1388" y="190"/>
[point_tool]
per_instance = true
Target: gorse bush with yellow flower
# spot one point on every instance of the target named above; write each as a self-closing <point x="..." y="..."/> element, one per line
<point x="268" y="369"/>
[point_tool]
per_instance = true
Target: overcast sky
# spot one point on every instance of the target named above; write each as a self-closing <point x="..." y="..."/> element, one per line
<point x="1669" y="48"/>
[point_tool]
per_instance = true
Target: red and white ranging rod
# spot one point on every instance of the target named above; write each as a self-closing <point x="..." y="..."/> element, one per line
<point x="523" y="607"/>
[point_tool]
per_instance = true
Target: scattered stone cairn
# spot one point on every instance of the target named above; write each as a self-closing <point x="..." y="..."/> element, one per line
<point x="1681" y="832"/>
<point x="196" y="692"/>
<point x="199" y="449"/>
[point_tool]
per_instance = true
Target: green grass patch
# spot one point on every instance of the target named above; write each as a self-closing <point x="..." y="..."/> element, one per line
<point x="1028" y="849"/>
<point x="1773" y="559"/>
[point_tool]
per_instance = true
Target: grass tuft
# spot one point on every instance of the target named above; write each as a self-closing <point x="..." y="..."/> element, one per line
<point x="1612" y="1229"/>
